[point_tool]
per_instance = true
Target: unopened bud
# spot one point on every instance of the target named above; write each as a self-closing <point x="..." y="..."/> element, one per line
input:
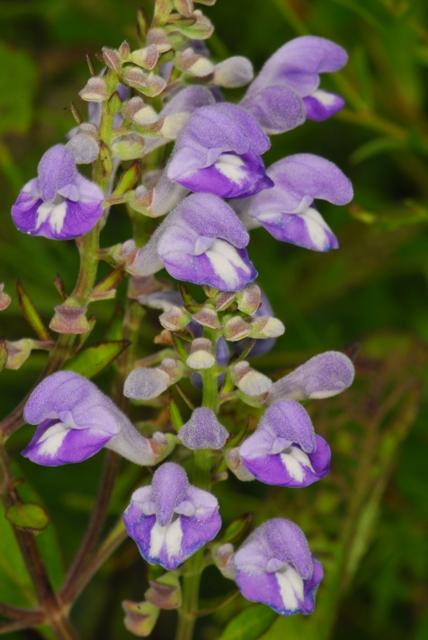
<point x="224" y="300"/>
<point x="175" y="319"/>
<point x="194" y="64"/>
<point x="233" y="72"/>
<point x="185" y="7"/>
<point x="5" y="299"/>
<point x="236" y="329"/>
<point x="69" y="318"/>
<point x="201" y="356"/>
<point x="201" y="29"/>
<point x="128" y="147"/>
<point x="207" y="317"/>
<point x="249" y="381"/>
<point x="159" y="38"/>
<point x="124" y="51"/>
<point x="112" y="59"/>
<point x="173" y="368"/>
<point x="95" y="90"/>
<point x="145" y="116"/>
<point x="249" y="299"/>
<point x="266" y="327"/>
<point x="147" y="57"/>
<point x="223" y="559"/>
<point x="165" y="592"/>
<point x="140" y="617"/>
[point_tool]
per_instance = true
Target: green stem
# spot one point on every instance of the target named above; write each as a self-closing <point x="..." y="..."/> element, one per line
<point x="189" y="609"/>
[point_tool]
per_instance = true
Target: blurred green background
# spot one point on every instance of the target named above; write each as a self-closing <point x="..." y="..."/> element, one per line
<point x="369" y="521"/>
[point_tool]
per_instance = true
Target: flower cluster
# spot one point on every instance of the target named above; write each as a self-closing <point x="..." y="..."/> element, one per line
<point x="212" y="191"/>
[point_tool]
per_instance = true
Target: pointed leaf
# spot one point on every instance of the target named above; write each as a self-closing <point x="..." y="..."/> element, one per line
<point x="94" y="359"/>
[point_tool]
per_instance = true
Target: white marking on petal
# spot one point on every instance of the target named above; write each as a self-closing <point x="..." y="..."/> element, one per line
<point x="169" y="536"/>
<point x="50" y="442"/>
<point x="291" y="588"/>
<point x="225" y="260"/>
<point x="232" y="167"/>
<point x="53" y="212"/>
<point x="316" y="227"/>
<point x="325" y="98"/>
<point x="294" y="460"/>
<point x="173" y="539"/>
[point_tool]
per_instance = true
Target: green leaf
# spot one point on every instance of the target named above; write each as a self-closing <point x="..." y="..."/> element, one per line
<point x="17" y="84"/>
<point x="94" y="359"/>
<point x="31" y="314"/>
<point x="27" y="516"/>
<point x="250" y="623"/>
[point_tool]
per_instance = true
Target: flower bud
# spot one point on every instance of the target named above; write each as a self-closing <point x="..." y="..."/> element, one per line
<point x="112" y="59"/>
<point x="18" y="351"/>
<point x="201" y="356"/>
<point x="224" y="299"/>
<point x="175" y="318"/>
<point x="69" y="318"/>
<point x="5" y="299"/>
<point x="249" y="299"/>
<point x="184" y="7"/>
<point x="128" y="147"/>
<point x="159" y="38"/>
<point x="147" y="57"/>
<point x="249" y="381"/>
<point x="223" y="559"/>
<point x="173" y="368"/>
<point x="233" y="72"/>
<point x="236" y="329"/>
<point x="207" y="317"/>
<point x="266" y="327"/>
<point x="194" y="64"/>
<point x="95" y="90"/>
<point x="146" y="116"/>
<point x="124" y="51"/>
<point x="165" y="592"/>
<point x="201" y="29"/>
<point x="140" y="617"/>
<point x="84" y="144"/>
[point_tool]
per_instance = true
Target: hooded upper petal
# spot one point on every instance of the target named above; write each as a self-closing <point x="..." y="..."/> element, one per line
<point x="201" y="241"/>
<point x="322" y="376"/>
<point x="296" y="67"/>
<point x="284" y="449"/>
<point x="171" y="519"/>
<point x="286" y="210"/>
<point x="275" y="566"/>
<point x="219" y="152"/>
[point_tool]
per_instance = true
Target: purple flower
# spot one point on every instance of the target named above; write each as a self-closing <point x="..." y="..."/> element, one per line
<point x="286" y="211"/>
<point x="171" y="519"/>
<point x="284" y="449"/>
<point x="323" y="376"/>
<point x="75" y="420"/>
<point x="201" y="241"/>
<point x="219" y="152"/>
<point x="275" y="566"/>
<point x="203" y="431"/>
<point x="294" y="72"/>
<point x="60" y="203"/>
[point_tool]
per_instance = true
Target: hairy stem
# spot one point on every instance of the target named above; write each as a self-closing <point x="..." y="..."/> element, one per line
<point x="190" y="585"/>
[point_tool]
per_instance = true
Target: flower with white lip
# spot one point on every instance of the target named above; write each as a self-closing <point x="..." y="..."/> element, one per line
<point x="171" y="519"/>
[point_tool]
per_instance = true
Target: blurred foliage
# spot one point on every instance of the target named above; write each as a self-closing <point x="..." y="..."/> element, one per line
<point x="368" y="520"/>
